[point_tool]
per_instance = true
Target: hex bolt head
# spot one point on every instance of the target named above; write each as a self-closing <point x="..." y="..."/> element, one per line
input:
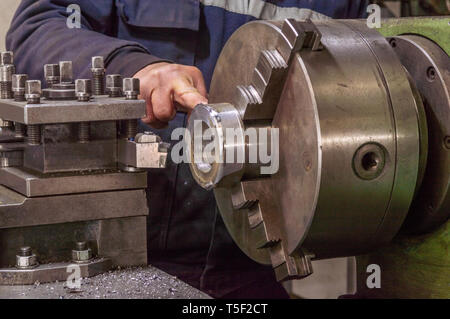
<point x="6" y="57"/>
<point x="51" y="73"/>
<point x="66" y="72"/>
<point x="83" y="89"/>
<point x="131" y="88"/>
<point x="98" y="64"/>
<point x="114" y="85"/>
<point x="33" y="91"/>
<point x="18" y="86"/>
<point x="6" y="72"/>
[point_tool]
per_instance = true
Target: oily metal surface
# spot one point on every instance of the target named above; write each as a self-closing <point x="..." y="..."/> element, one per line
<point x="429" y="67"/>
<point x="130" y="283"/>
<point x="100" y="108"/>
<point x="351" y="95"/>
<point x="33" y="184"/>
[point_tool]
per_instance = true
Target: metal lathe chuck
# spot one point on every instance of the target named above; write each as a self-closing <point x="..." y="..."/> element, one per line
<point x="362" y="125"/>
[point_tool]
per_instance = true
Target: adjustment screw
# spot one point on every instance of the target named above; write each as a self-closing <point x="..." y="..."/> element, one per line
<point x="114" y="85"/>
<point x="66" y="72"/>
<point x="83" y="89"/>
<point x="25" y="259"/>
<point x="18" y="86"/>
<point x="98" y="75"/>
<point x="6" y="73"/>
<point x="51" y="74"/>
<point x="33" y="91"/>
<point x="81" y="253"/>
<point x="25" y="251"/>
<point x="131" y="88"/>
<point x="6" y="57"/>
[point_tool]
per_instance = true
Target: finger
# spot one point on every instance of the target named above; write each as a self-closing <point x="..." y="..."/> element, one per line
<point x="163" y="108"/>
<point x="151" y="119"/>
<point x="187" y="95"/>
<point x="199" y="82"/>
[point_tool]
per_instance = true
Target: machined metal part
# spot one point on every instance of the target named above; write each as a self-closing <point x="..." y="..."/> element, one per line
<point x="100" y="108"/>
<point x="35" y="184"/>
<point x="98" y="75"/>
<point x="131" y="88"/>
<point x="51" y="272"/>
<point x="33" y="91"/>
<point x="51" y="74"/>
<point x="351" y="139"/>
<point x="18" y="86"/>
<point x="6" y="73"/>
<point x="25" y="259"/>
<point x="147" y="151"/>
<point x="114" y="85"/>
<point x="6" y="57"/>
<point x="82" y="253"/>
<point x="83" y="89"/>
<point x="429" y="68"/>
<point x="11" y="155"/>
<point x="66" y="72"/>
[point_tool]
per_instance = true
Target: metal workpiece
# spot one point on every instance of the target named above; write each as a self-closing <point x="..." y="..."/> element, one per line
<point x="18" y="86"/>
<point x="51" y="74"/>
<point x="83" y="89"/>
<point x="33" y="91"/>
<point x="50" y="273"/>
<point x="306" y="82"/>
<point x="101" y="108"/>
<point x="6" y="57"/>
<point x="98" y="75"/>
<point x="25" y="259"/>
<point x="6" y="73"/>
<point x="114" y="85"/>
<point x="11" y="155"/>
<point x="66" y="72"/>
<point x="146" y="151"/>
<point x="131" y="88"/>
<point x="428" y="66"/>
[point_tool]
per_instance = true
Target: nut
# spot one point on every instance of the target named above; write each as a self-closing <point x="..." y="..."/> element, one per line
<point x="66" y="71"/>
<point x="131" y="88"/>
<point x="81" y="253"/>
<point x="6" y="57"/>
<point x="26" y="259"/>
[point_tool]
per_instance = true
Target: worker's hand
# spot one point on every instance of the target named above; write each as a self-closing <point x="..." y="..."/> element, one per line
<point x="170" y="87"/>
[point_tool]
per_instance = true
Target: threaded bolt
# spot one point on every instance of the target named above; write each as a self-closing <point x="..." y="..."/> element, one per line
<point x="33" y="91"/>
<point x="83" y="132"/>
<point x="131" y="88"/>
<point x="6" y="57"/>
<point x="81" y="245"/>
<point x="66" y="72"/>
<point x="6" y="73"/>
<point x="98" y="75"/>
<point x="18" y="86"/>
<point x="34" y="134"/>
<point x="114" y="85"/>
<point x="51" y="74"/>
<point x="131" y="128"/>
<point x="25" y="251"/>
<point x="83" y="89"/>
<point x="19" y="129"/>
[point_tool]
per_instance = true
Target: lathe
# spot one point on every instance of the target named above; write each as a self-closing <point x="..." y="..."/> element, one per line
<point x="362" y="118"/>
<point x="363" y="124"/>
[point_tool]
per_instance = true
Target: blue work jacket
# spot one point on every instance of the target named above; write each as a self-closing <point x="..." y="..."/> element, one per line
<point x="186" y="235"/>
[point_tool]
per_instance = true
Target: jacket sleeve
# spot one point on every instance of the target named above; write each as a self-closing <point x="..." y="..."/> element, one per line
<point x="39" y="35"/>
